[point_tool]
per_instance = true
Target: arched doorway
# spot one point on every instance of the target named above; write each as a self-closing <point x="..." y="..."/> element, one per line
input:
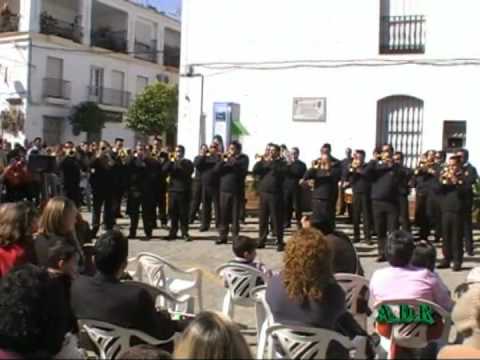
<point x="400" y="123"/>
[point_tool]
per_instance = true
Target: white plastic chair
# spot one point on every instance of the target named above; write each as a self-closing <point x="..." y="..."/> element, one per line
<point x="353" y="285"/>
<point x="151" y="269"/>
<point x="300" y="342"/>
<point x="413" y="336"/>
<point x="111" y="340"/>
<point x="240" y="279"/>
<point x="263" y="314"/>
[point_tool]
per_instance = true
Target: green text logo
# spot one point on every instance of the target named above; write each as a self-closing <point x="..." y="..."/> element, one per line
<point x="407" y="315"/>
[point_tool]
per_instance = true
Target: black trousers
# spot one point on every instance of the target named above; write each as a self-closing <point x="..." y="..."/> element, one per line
<point x="160" y="206"/>
<point x="178" y="211"/>
<point x="421" y="218"/>
<point x="403" y="213"/>
<point x="452" y="223"/>
<point x="243" y="204"/>
<point x="118" y="195"/>
<point x="385" y="215"/>
<point x="210" y="196"/>
<point x="322" y="210"/>
<point x="230" y="204"/>
<point x="196" y="199"/>
<point x="102" y="198"/>
<point x="72" y="192"/>
<point x="271" y="207"/>
<point x="361" y="210"/>
<point x="135" y="202"/>
<point x="292" y="201"/>
<point x="467" y="224"/>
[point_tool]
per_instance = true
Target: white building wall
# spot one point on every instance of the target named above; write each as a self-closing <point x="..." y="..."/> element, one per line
<point x="271" y="30"/>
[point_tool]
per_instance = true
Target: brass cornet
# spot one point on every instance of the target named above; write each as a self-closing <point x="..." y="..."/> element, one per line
<point x="451" y="176"/>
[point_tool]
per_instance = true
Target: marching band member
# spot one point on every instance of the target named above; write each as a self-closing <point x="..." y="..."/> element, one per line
<point x="384" y="195"/>
<point x="180" y="171"/>
<point x="404" y="177"/>
<point x="196" y="199"/>
<point x="357" y="178"/>
<point x="231" y="171"/>
<point x="452" y="185"/>
<point x="271" y="172"/>
<point x="160" y="156"/>
<point x="119" y="179"/>
<point x="336" y="166"/>
<point x="292" y="191"/>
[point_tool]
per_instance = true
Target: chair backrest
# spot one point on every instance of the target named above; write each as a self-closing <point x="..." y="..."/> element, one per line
<point x="151" y="270"/>
<point x="353" y="285"/>
<point x="303" y="342"/>
<point x="111" y="340"/>
<point x="414" y="335"/>
<point x="240" y="279"/>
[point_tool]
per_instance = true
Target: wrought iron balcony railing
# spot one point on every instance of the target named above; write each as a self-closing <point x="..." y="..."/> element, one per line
<point x="110" y="97"/>
<point x="50" y="25"/>
<point x="111" y="40"/>
<point x="56" y="88"/>
<point x="402" y="34"/>
<point x="147" y="52"/>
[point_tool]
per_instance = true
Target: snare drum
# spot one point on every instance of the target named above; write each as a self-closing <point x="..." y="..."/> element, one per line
<point x="348" y="196"/>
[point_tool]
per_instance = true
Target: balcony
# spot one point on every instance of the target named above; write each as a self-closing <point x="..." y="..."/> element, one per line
<point x="111" y="40"/>
<point x="109" y="97"/>
<point x="49" y="25"/>
<point x="171" y="56"/>
<point x="9" y="23"/>
<point x="146" y="52"/>
<point x="402" y="34"/>
<point x="56" y="89"/>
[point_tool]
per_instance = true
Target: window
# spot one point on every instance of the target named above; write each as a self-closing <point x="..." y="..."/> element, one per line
<point x="118" y="80"/>
<point x="96" y="81"/>
<point x="52" y="129"/>
<point x="54" y="68"/>
<point x="454" y="135"/>
<point x="142" y="83"/>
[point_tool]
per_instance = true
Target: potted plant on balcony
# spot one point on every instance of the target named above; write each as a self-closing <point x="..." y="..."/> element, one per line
<point x="48" y="24"/>
<point x="12" y="120"/>
<point x="87" y="117"/>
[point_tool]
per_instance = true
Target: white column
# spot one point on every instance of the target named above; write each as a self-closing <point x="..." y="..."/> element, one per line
<point x="131" y="34"/>
<point x="160" y="43"/>
<point x="86" y="11"/>
<point x="30" y="11"/>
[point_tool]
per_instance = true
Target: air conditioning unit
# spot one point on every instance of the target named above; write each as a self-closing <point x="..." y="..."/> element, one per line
<point x="163" y="78"/>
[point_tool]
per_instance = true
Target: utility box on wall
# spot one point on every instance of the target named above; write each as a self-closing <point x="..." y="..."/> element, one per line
<point x="226" y="116"/>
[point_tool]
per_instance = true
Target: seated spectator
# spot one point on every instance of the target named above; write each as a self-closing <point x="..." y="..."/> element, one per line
<point x="104" y="298"/>
<point x="29" y="320"/>
<point x="466" y="317"/>
<point x="305" y="293"/>
<point x="345" y="259"/>
<point x="211" y="336"/>
<point x="424" y="255"/>
<point x="57" y="223"/>
<point x="17" y="223"/>
<point x="145" y="352"/>
<point x="245" y="250"/>
<point x="403" y="281"/>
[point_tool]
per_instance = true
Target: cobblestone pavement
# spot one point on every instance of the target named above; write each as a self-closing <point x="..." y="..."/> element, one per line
<point x="202" y="253"/>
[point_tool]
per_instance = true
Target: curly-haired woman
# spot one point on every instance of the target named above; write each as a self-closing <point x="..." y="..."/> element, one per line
<point x="17" y="224"/>
<point x="305" y="293"/>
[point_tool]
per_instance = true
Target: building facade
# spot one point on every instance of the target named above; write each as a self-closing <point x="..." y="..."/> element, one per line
<point x="348" y="72"/>
<point x="57" y="54"/>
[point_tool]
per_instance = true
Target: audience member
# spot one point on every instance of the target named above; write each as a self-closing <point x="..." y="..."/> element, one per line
<point x="401" y="280"/>
<point x="57" y="223"/>
<point x="211" y="336"/>
<point x="466" y="317"/>
<point x="145" y="352"/>
<point x="424" y="255"/>
<point x="30" y="325"/>
<point x="104" y="298"/>
<point x="17" y="222"/>
<point x="305" y="293"/>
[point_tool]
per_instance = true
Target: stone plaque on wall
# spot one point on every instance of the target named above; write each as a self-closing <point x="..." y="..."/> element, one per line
<point x="310" y="109"/>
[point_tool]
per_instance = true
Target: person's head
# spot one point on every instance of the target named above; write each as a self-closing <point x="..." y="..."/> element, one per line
<point x="119" y="143"/>
<point x="212" y="336"/>
<point x="399" y="248"/>
<point x="359" y="155"/>
<point x="62" y="258"/>
<point x="348" y="153"/>
<point x="377" y="153"/>
<point x="140" y="150"/>
<point x="387" y="151"/>
<point x="17" y="223"/>
<point x="111" y="253"/>
<point x="37" y="142"/>
<point x="213" y="149"/>
<point x="145" y="352"/>
<point x="180" y="152"/>
<point x="58" y="217"/>
<point x="203" y="149"/>
<point x="245" y="247"/>
<point x="454" y="162"/>
<point x="275" y="151"/>
<point x="466" y="316"/>
<point x="235" y="148"/>
<point x="424" y="255"/>
<point x="463" y="155"/>
<point x="326" y="149"/>
<point x="295" y="153"/>
<point x="307" y="265"/>
<point x="28" y="315"/>
<point x="440" y="157"/>
<point x="430" y="155"/>
<point x="398" y="158"/>
<point x="157" y="143"/>
<point x="324" y="226"/>
<point x="219" y="141"/>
